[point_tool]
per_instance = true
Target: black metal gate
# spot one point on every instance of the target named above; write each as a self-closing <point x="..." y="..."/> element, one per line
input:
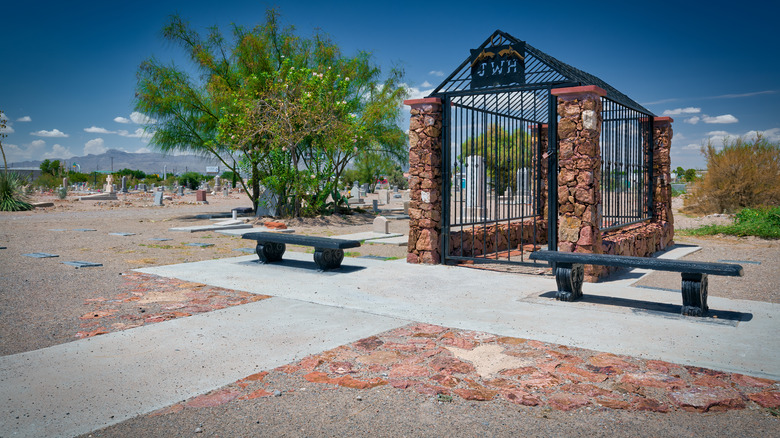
<point x="499" y="200"/>
<point x="494" y="175"/>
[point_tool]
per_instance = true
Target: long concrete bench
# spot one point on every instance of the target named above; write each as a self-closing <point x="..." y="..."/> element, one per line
<point x="569" y="273"/>
<point x="328" y="252"/>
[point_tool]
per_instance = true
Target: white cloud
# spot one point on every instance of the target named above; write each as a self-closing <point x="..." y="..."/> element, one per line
<point x="7" y="130"/>
<point x="143" y="150"/>
<point x="678" y="111"/>
<point x="122" y="120"/>
<point x="95" y="146"/>
<point x="724" y="119"/>
<point x="138" y="133"/>
<point x="58" y="151"/>
<point x="141" y="119"/>
<point x="416" y="92"/>
<point x="438" y="73"/>
<point x="24" y="119"/>
<point x="426" y="84"/>
<point x="53" y="133"/>
<point x="772" y="135"/>
<point x="14" y="153"/>
<point x="693" y="120"/>
<point x="692" y="146"/>
<point x="97" y="130"/>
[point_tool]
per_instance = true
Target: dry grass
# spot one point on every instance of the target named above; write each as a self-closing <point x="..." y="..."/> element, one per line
<point x="742" y="174"/>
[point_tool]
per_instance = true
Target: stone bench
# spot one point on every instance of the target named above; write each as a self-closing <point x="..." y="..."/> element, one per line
<point x="568" y="270"/>
<point x="328" y="253"/>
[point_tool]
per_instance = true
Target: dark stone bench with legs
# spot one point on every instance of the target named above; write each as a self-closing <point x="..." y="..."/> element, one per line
<point x="569" y="274"/>
<point x="328" y="253"/>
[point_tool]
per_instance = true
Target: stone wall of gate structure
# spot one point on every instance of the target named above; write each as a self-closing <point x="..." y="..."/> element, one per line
<point x="425" y="183"/>
<point x="579" y="162"/>
<point x="644" y="239"/>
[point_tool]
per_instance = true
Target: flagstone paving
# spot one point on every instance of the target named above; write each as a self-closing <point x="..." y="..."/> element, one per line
<point x="444" y="363"/>
<point x="147" y="299"/>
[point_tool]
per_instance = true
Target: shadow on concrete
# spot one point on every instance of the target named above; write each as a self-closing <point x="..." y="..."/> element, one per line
<point x="301" y="265"/>
<point x="714" y="316"/>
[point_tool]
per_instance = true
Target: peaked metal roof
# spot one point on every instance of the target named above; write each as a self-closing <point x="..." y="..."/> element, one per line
<point x="541" y="71"/>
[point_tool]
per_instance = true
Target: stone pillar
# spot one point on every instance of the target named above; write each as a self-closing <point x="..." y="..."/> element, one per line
<point x="425" y="184"/>
<point x="579" y="159"/>
<point x="662" y="180"/>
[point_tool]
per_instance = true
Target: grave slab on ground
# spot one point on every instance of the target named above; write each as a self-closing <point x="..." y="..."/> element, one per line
<point x="211" y="227"/>
<point x="82" y="264"/>
<point x="122" y="234"/>
<point x="396" y="241"/>
<point x="366" y="235"/>
<point x="40" y="255"/>
<point x="241" y="232"/>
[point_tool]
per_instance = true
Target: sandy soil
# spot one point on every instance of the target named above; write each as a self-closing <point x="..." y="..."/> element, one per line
<point x="42" y="300"/>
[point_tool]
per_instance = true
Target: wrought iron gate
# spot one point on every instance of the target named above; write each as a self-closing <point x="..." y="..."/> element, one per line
<point x="494" y="175"/>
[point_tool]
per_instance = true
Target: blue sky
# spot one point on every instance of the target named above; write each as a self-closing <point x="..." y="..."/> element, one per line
<point x="67" y="71"/>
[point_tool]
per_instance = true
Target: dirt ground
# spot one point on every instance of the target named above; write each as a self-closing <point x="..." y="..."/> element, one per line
<point x="44" y="302"/>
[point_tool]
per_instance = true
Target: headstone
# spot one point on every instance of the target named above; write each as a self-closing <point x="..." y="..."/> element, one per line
<point x="375" y="205"/>
<point x="158" y="198"/>
<point x="226" y="192"/>
<point x="384" y="196"/>
<point x="217" y="184"/>
<point x="355" y="191"/>
<point x="395" y="189"/>
<point x="475" y="181"/>
<point x="523" y="181"/>
<point x="109" y="187"/>
<point x="364" y="189"/>
<point x="65" y="182"/>
<point x="266" y="203"/>
<point x="200" y="196"/>
<point x="124" y="183"/>
<point x="380" y="225"/>
<point x="406" y="208"/>
<point x="181" y="190"/>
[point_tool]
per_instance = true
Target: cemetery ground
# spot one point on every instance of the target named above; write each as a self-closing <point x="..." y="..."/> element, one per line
<point x="414" y="380"/>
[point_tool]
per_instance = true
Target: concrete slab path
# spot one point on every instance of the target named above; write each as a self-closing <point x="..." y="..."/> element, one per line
<point x="612" y="318"/>
<point x="81" y="386"/>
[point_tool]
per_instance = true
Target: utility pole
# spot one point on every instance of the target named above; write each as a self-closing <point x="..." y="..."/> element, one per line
<point x="112" y="164"/>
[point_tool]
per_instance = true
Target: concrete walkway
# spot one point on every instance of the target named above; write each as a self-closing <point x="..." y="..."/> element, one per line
<point x="84" y="385"/>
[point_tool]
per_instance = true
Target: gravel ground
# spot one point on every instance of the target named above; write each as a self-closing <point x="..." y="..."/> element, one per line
<point x="41" y="301"/>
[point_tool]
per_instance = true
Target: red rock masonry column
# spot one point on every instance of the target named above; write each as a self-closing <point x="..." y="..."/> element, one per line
<point x="662" y="187"/>
<point x="579" y="159"/>
<point x="425" y="203"/>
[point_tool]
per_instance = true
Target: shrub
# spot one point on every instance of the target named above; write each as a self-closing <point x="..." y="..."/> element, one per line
<point x="12" y="195"/>
<point x="759" y="222"/>
<point x="743" y="174"/>
<point x="191" y="180"/>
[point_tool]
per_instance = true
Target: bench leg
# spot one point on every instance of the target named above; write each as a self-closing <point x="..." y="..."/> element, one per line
<point x="270" y="252"/>
<point x="569" y="277"/>
<point x="694" y="294"/>
<point x="328" y="258"/>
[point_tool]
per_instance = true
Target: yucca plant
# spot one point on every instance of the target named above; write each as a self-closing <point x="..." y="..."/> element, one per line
<point x="12" y="196"/>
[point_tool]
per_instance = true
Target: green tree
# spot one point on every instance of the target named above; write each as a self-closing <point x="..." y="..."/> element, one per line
<point x="50" y="167"/>
<point x="504" y="152"/>
<point x="274" y="101"/>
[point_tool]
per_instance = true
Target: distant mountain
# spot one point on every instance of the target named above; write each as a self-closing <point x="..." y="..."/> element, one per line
<point x="148" y="162"/>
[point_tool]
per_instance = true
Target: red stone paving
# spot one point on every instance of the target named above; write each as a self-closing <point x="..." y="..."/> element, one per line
<point x="564" y="378"/>
<point x="147" y="299"/>
<point x="416" y="357"/>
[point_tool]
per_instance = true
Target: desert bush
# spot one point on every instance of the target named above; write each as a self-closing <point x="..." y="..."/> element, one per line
<point x="191" y="180"/>
<point x="12" y="195"/>
<point x="744" y="173"/>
